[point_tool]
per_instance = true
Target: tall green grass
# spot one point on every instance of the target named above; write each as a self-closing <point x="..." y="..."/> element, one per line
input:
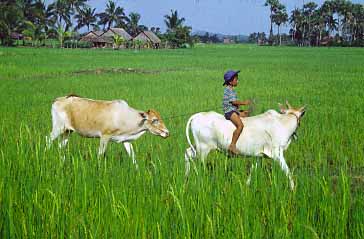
<point x="43" y="196"/>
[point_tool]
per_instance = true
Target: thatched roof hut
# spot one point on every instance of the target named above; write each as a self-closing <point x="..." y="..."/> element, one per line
<point x="99" y="33"/>
<point x="94" y="38"/>
<point x="149" y="37"/>
<point x="109" y="34"/>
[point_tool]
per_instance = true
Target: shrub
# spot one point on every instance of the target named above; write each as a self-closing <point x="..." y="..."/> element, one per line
<point x="77" y="44"/>
<point x="84" y="44"/>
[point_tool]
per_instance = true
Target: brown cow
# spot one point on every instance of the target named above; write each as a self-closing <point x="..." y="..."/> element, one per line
<point x="108" y="120"/>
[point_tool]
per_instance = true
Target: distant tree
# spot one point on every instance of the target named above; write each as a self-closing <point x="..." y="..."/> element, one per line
<point x="76" y="5"/>
<point x="118" y="41"/>
<point x="11" y="19"/>
<point x="113" y="15"/>
<point x="214" y="38"/>
<point x="137" y="44"/>
<point x="347" y="21"/>
<point x="86" y="17"/>
<point x="133" y="24"/>
<point x="30" y="31"/>
<point x="280" y="17"/>
<point x="177" y="34"/>
<point x="296" y="21"/>
<point x="205" y="38"/>
<point x="61" y="34"/>
<point x="173" y="21"/>
<point x="253" y="37"/>
<point x="358" y="22"/>
<point x="327" y="11"/>
<point x="272" y="4"/>
<point x="318" y="22"/>
<point x="35" y="22"/>
<point x="308" y="12"/>
<point x="61" y="11"/>
<point x="262" y="37"/>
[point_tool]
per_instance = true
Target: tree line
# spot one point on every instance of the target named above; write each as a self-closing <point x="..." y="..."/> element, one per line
<point x="62" y="19"/>
<point x="335" y="22"/>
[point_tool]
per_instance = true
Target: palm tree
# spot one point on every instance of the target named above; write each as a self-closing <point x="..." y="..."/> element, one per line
<point x="295" y="20"/>
<point x="112" y="15"/>
<point x="86" y="17"/>
<point x="338" y="9"/>
<point x="61" y="12"/>
<point x="272" y="4"/>
<point x="11" y="19"/>
<point x="118" y="41"/>
<point x="76" y="5"/>
<point x="308" y="10"/>
<point x="61" y="33"/>
<point x="347" y="21"/>
<point x="358" y="22"/>
<point x="35" y="19"/>
<point x="183" y="33"/>
<point x="318" y="25"/>
<point x="280" y="17"/>
<point x="327" y="10"/>
<point x="133" y="24"/>
<point x="173" y="21"/>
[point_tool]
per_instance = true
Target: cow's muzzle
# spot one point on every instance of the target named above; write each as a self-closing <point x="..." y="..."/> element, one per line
<point x="164" y="134"/>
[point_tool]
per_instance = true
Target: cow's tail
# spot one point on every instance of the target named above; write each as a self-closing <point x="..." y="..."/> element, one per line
<point x="188" y="127"/>
<point x="191" y="152"/>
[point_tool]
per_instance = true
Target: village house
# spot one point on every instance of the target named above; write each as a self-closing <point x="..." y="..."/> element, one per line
<point x="94" y="38"/>
<point x="108" y="36"/>
<point x="149" y="39"/>
<point x="105" y="39"/>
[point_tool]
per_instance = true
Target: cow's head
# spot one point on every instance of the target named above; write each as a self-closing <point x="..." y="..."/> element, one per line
<point x="154" y="123"/>
<point x="298" y="112"/>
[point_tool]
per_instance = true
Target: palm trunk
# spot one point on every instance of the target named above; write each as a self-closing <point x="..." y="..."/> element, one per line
<point x="320" y="38"/>
<point x="294" y="32"/>
<point x="271" y="25"/>
<point x="303" y="35"/>
<point x="279" y="35"/>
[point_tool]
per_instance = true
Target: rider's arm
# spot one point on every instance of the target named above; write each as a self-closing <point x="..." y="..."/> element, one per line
<point x="240" y="102"/>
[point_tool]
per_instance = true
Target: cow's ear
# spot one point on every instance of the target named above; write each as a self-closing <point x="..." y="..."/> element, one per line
<point x="143" y="115"/>
<point x="144" y="118"/>
<point x="303" y="108"/>
<point x="281" y="108"/>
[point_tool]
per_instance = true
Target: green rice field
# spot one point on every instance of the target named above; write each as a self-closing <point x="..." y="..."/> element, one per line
<point x="43" y="196"/>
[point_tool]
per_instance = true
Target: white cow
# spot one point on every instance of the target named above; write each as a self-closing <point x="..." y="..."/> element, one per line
<point x="268" y="134"/>
<point x="108" y="120"/>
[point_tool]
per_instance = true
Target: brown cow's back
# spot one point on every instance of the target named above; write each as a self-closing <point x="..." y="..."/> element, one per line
<point x="86" y="116"/>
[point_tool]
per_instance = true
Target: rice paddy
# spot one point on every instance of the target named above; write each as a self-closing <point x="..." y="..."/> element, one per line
<point x="43" y="196"/>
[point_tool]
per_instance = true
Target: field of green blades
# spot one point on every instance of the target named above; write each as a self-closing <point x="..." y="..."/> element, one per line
<point x="43" y="196"/>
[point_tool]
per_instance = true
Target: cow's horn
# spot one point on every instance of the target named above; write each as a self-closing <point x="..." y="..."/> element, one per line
<point x="289" y="106"/>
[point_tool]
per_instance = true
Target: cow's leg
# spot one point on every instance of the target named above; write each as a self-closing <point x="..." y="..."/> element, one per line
<point x="189" y="154"/>
<point x="267" y="152"/>
<point x="203" y="150"/>
<point x="64" y="141"/>
<point x="129" y="149"/>
<point x="284" y="166"/>
<point x="57" y="130"/>
<point x="253" y="167"/>
<point x="103" y="144"/>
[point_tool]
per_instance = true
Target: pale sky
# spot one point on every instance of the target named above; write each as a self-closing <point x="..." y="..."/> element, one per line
<point x="217" y="16"/>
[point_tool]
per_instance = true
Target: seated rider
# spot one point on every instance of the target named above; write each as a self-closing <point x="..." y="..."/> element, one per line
<point x="231" y="106"/>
